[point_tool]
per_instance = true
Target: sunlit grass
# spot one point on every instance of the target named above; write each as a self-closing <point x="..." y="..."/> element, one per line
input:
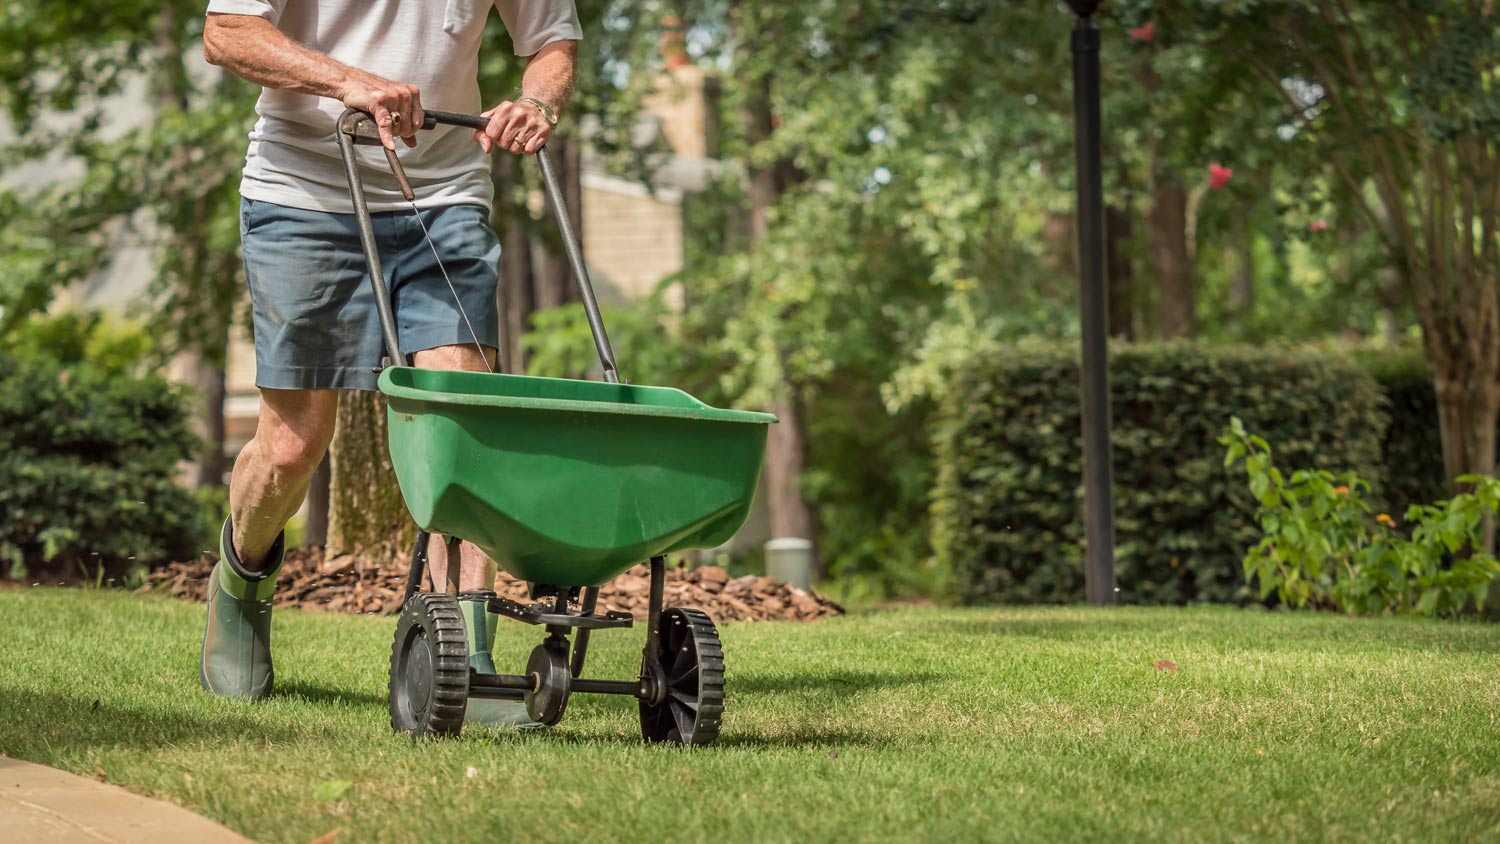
<point x="925" y="724"/>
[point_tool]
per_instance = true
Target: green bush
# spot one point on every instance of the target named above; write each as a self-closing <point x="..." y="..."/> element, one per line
<point x="88" y="456"/>
<point x="1007" y="505"/>
<point x="1324" y="546"/>
<point x="1412" y="447"/>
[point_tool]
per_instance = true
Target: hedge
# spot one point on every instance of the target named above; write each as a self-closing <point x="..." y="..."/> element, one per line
<point x="1007" y="503"/>
<point x="88" y="460"/>
<point x="1412" y="447"/>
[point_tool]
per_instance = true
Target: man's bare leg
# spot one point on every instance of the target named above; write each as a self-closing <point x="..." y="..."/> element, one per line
<point x="272" y="471"/>
<point x="475" y="570"/>
<point x="270" y="479"/>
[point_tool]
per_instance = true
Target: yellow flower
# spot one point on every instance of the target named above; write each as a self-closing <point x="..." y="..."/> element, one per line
<point x="1385" y="519"/>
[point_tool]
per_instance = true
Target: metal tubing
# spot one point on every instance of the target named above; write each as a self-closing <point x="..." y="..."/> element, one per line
<point x="587" y="605"/>
<point x="580" y="272"/>
<point x="349" y="122"/>
<point x="653" y="605"/>
<point x="452" y="564"/>
<point x="607" y="687"/>
<point x="418" y="565"/>
<point x="367" y="240"/>
<point x="487" y="693"/>
<point x="514" y="682"/>
<point x="1098" y="499"/>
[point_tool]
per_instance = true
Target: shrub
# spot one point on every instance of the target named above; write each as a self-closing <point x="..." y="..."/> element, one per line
<point x="88" y="456"/>
<point x="1322" y="546"/>
<point x="1007" y="505"/>
<point x="1411" y="451"/>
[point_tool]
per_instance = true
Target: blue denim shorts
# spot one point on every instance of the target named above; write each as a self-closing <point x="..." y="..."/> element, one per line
<point x="314" y="312"/>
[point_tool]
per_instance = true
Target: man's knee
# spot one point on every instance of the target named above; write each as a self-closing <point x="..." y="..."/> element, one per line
<point x="294" y="431"/>
<point x="461" y="356"/>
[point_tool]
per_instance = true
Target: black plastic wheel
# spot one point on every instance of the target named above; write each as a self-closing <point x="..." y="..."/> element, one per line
<point x="692" y="661"/>
<point x="429" y="667"/>
<point x="549" y="664"/>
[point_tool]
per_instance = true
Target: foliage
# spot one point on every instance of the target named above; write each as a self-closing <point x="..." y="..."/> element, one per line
<point x="1412" y="446"/>
<point x="88" y="461"/>
<point x="1322" y="548"/>
<point x="1401" y="102"/>
<point x="170" y="180"/>
<point x="1007" y="506"/>
<point x="74" y="337"/>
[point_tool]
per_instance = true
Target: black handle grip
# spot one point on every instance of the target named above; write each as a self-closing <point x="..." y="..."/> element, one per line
<point x="453" y="118"/>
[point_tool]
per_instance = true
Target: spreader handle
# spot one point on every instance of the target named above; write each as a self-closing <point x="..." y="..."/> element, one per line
<point x="453" y="118"/>
<point x="565" y="228"/>
<point x="357" y="126"/>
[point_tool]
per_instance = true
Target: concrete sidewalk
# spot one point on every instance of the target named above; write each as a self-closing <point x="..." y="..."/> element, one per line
<point x="45" y="805"/>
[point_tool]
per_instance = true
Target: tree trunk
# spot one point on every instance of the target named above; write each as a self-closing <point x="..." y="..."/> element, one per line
<point x="554" y="285"/>
<point x="1171" y="262"/>
<point x="1242" y="284"/>
<point x="1060" y="244"/>
<point x="786" y="460"/>
<point x="1468" y="413"/>
<point x="366" y="514"/>
<point x="517" y="289"/>
<point x="205" y="383"/>
<point x="1120" y="271"/>
<point x="213" y="390"/>
<point x="317" y="505"/>
<point x="786" y="444"/>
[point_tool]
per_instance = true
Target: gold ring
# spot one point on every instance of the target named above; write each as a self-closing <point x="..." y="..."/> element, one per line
<point x="395" y="117"/>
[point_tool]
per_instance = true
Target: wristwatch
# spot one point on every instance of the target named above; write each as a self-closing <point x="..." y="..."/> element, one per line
<point x="548" y="114"/>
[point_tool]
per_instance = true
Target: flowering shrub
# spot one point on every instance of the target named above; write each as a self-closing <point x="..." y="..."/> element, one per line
<point x="1322" y="547"/>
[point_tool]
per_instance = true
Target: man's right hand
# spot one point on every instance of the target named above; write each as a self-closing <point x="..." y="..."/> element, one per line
<point x="397" y="107"/>
<point x="253" y="49"/>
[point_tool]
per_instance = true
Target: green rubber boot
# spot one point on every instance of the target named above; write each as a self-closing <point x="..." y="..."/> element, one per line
<point x="236" y="659"/>
<point x="481" y="624"/>
<point x="475" y="608"/>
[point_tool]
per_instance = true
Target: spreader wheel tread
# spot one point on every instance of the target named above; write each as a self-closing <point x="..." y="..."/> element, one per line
<point x="429" y="680"/>
<point x="692" y="661"/>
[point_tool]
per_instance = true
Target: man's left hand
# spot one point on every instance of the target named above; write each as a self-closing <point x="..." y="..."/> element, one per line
<point x="517" y="127"/>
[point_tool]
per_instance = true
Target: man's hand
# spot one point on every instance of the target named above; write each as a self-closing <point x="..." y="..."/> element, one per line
<point x="397" y="106"/>
<point x="253" y="49"/>
<point x="517" y="127"/>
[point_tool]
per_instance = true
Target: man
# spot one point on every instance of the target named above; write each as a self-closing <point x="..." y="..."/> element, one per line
<point x="316" y="329"/>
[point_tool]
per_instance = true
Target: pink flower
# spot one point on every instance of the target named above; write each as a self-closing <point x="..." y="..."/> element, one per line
<point x="1219" y="176"/>
<point x="1318" y="226"/>
<point x="1143" y="33"/>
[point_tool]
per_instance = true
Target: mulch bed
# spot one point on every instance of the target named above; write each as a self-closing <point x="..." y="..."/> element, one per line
<point x="359" y="585"/>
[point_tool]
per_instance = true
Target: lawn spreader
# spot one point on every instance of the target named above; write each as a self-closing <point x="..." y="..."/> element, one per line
<point x="565" y="484"/>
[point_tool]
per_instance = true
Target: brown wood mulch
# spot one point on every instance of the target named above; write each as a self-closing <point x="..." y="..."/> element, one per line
<point x="359" y="585"/>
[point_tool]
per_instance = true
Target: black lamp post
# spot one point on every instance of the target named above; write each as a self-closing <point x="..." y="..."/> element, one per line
<point x="1098" y="488"/>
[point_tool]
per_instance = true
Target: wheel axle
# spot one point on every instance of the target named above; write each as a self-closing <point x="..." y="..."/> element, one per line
<point x="679" y="691"/>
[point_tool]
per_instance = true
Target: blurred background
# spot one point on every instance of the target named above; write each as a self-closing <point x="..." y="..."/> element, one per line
<point x="858" y="215"/>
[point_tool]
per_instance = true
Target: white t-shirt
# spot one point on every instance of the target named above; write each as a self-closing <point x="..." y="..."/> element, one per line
<point x="434" y="44"/>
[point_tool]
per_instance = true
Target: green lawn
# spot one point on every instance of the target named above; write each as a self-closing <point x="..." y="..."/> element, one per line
<point x="1036" y="724"/>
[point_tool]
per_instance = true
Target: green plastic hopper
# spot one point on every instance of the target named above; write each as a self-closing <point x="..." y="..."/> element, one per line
<point x="567" y="482"/>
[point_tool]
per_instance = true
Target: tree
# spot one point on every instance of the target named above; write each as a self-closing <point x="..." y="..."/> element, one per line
<point x="174" y="177"/>
<point x="1401" y="102"/>
<point x="879" y="203"/>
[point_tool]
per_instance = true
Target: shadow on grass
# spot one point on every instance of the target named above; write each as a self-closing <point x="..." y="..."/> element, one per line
<point x="313" y="693"/>
<point x="1287" y="630"/>
<point x="807" y="737"/>
<point x="841" y="683"/>
<point x="50" y="725"/>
